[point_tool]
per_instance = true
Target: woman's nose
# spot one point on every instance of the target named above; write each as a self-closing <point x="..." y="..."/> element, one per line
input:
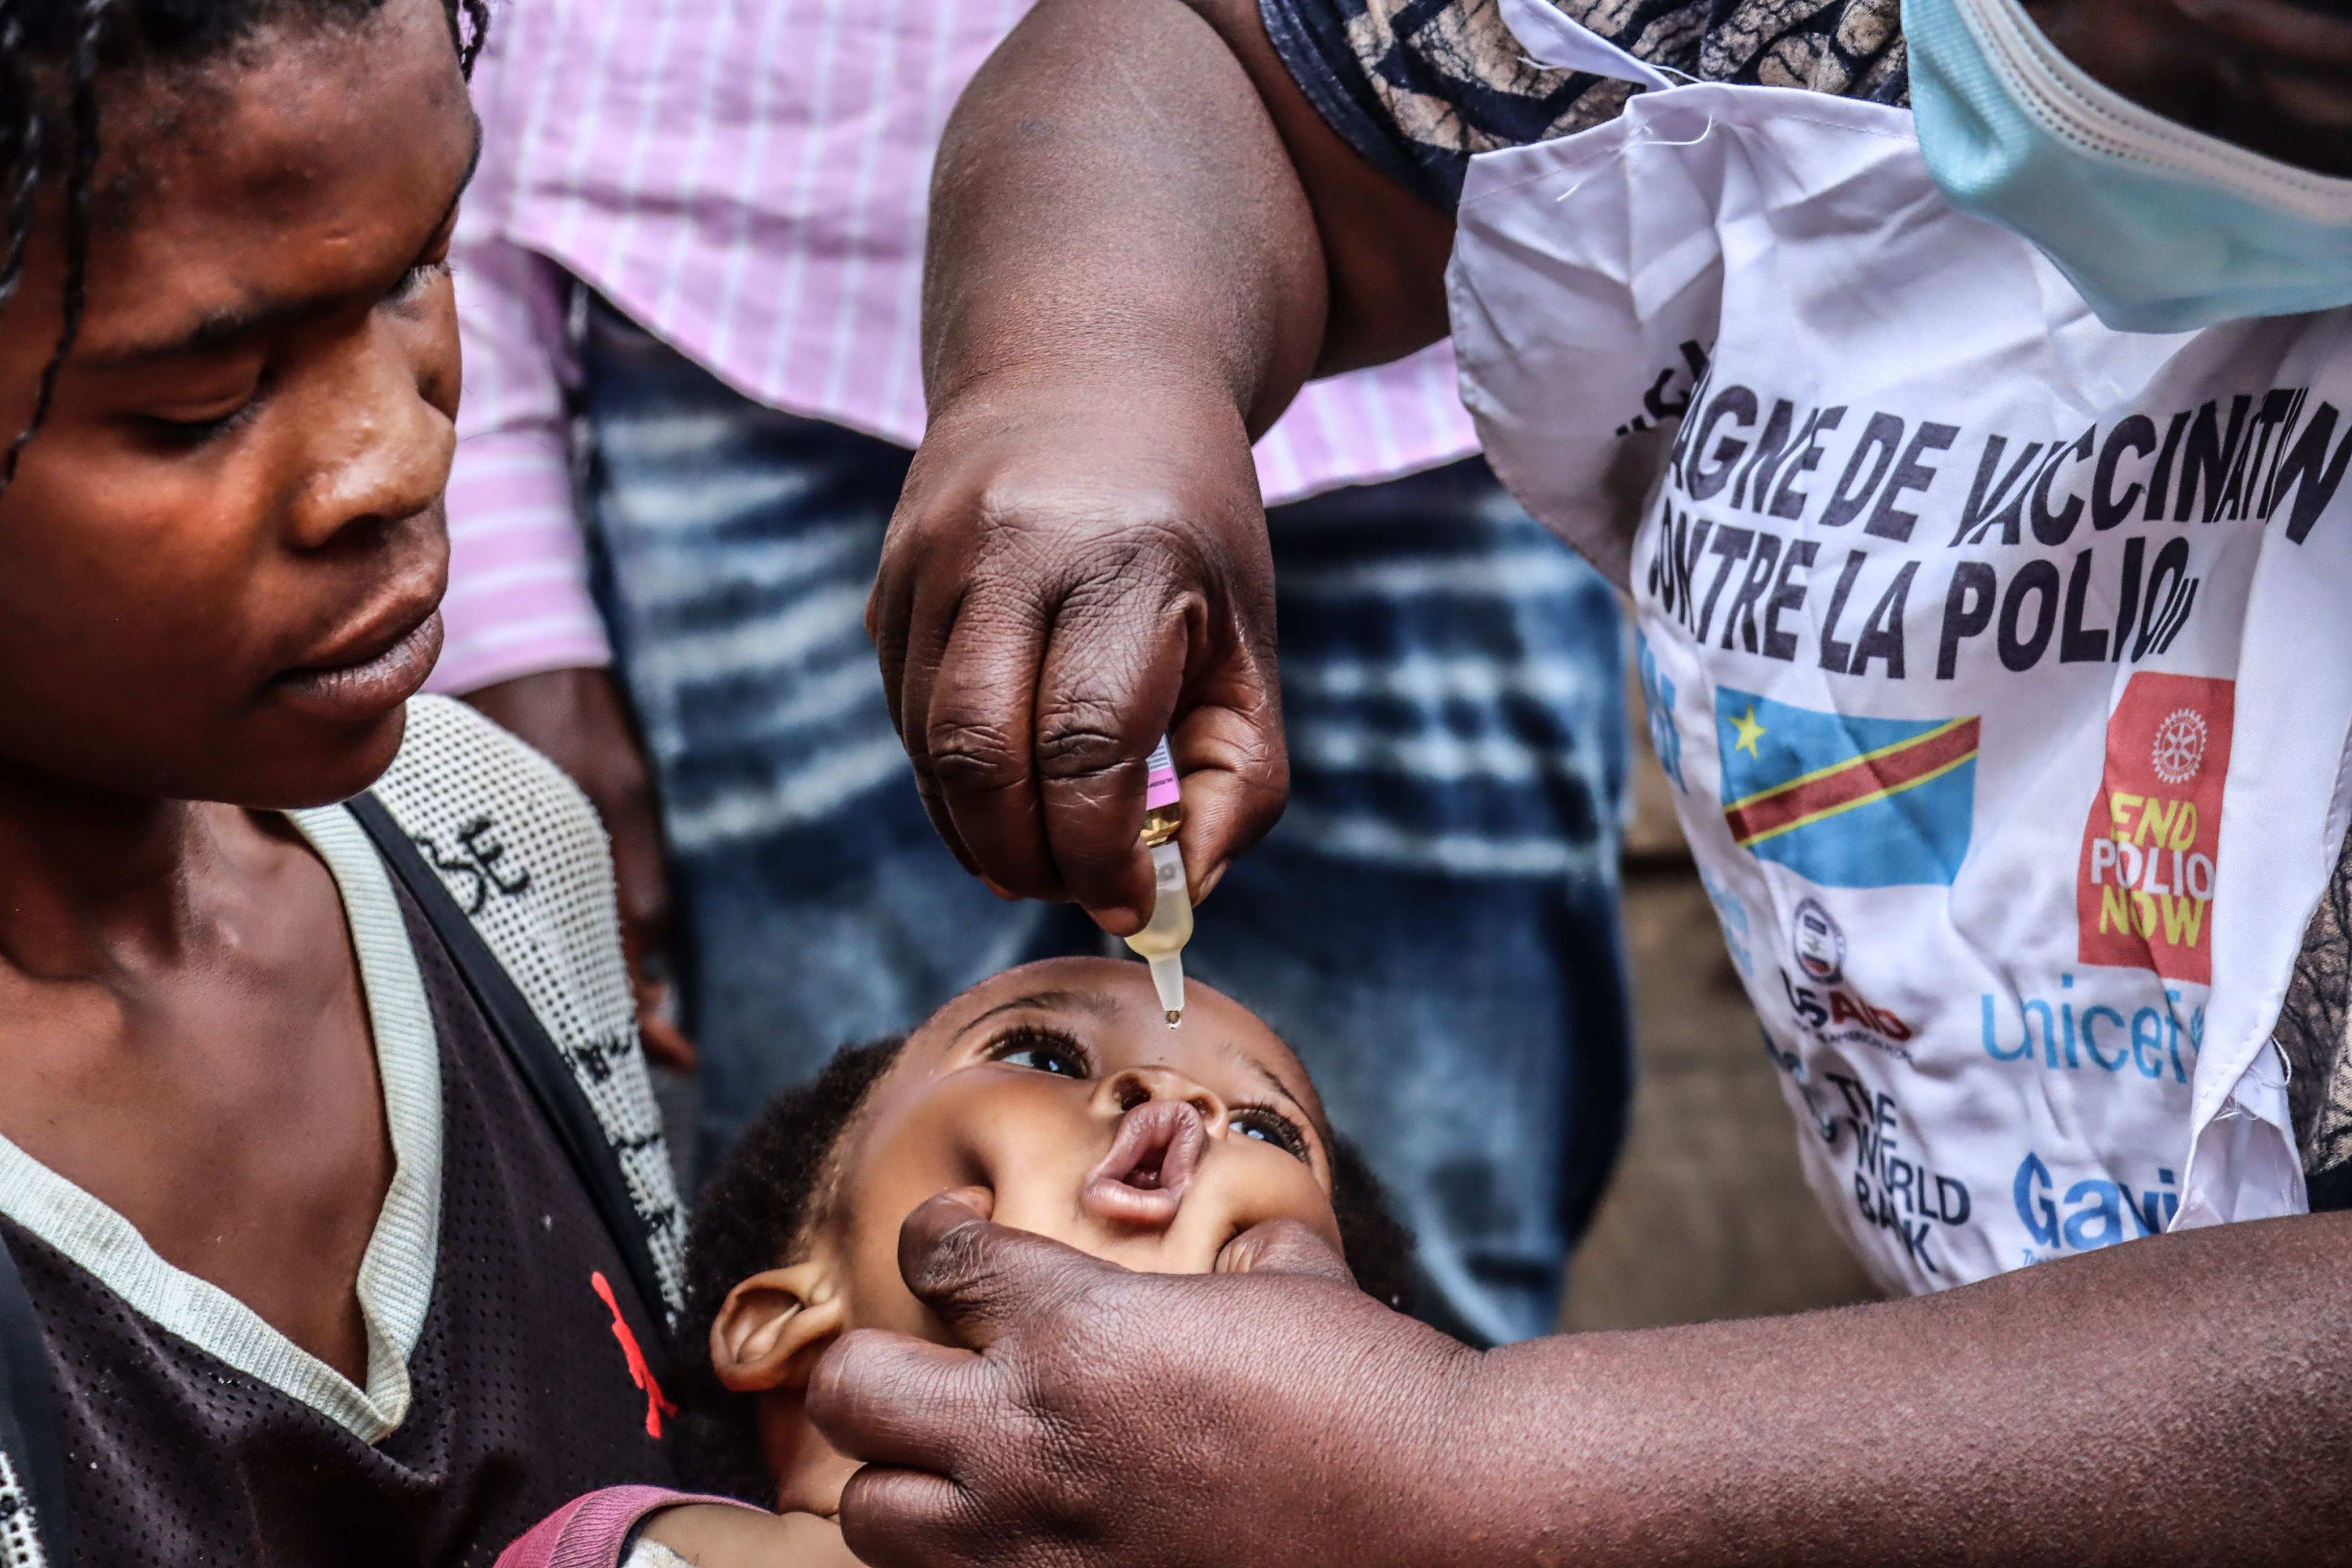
<point x="1123" y="1092"/>
<point x="381" y="454"/>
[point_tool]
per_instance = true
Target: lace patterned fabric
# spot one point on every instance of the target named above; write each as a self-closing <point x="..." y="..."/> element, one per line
<point x="2312" y="1039"/>
<point x="1418" y="86"/>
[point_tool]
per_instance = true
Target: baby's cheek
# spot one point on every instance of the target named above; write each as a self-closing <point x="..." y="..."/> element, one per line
<point x="1275" y="1185"/>
<point x="878" y="1297"/>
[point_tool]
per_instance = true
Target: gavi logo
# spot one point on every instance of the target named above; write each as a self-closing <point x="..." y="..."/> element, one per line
<point x="2092" y="1213"/>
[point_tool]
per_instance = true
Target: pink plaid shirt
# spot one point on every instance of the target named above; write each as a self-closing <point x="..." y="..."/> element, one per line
<point x="746" y="179"/>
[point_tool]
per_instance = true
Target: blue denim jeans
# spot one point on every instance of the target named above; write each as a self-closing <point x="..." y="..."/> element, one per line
<point x="1433" y="926"/>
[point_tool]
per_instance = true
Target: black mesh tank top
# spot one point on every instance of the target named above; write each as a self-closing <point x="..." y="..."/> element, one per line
<point x="523" y="1396"/>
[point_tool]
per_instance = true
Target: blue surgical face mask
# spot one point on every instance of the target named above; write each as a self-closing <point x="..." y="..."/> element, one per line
<point x="2161" y="228"/>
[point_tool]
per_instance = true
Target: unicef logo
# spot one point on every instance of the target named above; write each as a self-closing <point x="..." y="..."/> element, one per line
<point x="1817" y="945"/>
<point x="2179" y="747"/>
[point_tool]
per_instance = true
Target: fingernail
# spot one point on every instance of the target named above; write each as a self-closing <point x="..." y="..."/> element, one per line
<point x="1120" y="922"/>
<point x="981" y="1201"/>
<point x="991" y="884"/>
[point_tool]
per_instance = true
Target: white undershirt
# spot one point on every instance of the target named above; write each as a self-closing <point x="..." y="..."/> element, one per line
<point x="395" y="1278"/>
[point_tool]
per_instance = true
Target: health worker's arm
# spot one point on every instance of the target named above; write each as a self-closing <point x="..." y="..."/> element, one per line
<point x="1143" y="239"/>
<point x="2184" y="1399"/>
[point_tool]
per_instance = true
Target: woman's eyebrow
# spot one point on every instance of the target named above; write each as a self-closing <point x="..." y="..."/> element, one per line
<point x="1093" y="1002"/>
<point x="215" y="329"/>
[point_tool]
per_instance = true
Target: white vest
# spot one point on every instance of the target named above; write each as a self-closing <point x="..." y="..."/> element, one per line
<point x="2002" y="663"/>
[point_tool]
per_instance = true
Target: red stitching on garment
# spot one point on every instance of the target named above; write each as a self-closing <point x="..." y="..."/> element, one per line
<point x="639" y="1372"/>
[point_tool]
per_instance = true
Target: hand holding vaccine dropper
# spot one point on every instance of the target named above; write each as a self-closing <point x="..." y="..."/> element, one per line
<point x="1162" y="942"/>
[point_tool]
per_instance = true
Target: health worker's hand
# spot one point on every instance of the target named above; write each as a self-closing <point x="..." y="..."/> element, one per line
<point x="1073" y="571"/>
<point x="1267" y="1413"/>
<point x="576" y="718"/>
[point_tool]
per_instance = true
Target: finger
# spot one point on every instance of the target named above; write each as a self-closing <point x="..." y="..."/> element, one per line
<point x="982" y="1280"/>
<point x="888" y="1398"/>
<point x="904" y="1519"/>
<point x="889" y="609"/>
<point x="666" y="1044"/>
<point x="977" y="729"/>
<point x="1106" y="692"/>
<point x="936" y="601"/>
<point x="1238" y="779"/>
<point x="1284" y="1246"/>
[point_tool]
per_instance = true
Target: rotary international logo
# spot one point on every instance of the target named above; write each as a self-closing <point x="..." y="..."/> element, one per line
<point x="2152" y="842"/>
<point x="2180" y="749"/>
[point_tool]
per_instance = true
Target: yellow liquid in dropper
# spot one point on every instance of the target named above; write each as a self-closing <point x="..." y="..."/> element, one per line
<point x="1162" y="941"/>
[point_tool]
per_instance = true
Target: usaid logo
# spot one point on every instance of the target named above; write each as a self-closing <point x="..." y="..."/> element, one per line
<point x="1817" y="943"/>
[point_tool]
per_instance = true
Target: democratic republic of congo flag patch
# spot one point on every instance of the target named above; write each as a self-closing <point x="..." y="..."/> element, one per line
<point x="1846" y="802"/>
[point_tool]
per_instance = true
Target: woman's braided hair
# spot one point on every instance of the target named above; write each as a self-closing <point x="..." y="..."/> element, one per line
<point x="52" y="55"/>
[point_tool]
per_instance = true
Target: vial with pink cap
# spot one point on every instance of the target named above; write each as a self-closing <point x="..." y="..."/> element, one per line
<point x="1162" y="942"/>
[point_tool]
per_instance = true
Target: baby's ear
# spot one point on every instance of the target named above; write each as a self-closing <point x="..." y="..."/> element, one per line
<point x="773" y="1327"/>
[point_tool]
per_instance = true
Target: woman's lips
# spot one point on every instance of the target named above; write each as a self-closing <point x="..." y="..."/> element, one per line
<point x="1142" y="1181"/>
<point x="373" y="686"/>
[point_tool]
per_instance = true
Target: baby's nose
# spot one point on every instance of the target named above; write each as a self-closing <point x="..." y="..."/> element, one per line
<point x="1123" y="1092"/>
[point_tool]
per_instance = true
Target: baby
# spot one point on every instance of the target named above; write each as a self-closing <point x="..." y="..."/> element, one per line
<point x="1060" y="1089"/>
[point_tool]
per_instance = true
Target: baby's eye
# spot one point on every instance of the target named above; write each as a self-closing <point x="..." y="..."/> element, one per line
<point x="1267" y="1126"/>
<point x="1040" y="1052"/>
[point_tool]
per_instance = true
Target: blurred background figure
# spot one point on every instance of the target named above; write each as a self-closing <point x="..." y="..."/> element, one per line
<point x="687" y="277"/>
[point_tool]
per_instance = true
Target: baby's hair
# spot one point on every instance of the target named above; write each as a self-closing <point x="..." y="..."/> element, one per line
<point x="52" y="54"/>
<point x="761" y="1208"/>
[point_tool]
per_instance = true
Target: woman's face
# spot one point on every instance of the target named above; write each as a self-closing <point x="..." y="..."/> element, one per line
<point x="2272" y="76"/>
<point x="221" y="557"/>
<point x="1061" y="1088"/>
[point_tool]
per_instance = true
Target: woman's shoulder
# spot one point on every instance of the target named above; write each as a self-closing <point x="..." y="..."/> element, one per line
<point x="522" y="852"/>
<point x="456" y="766"/>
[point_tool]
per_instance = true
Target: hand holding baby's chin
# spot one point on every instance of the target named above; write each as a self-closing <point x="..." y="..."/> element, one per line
<point x="1283" y="1246"/>
<point x="1090" y="1376"/>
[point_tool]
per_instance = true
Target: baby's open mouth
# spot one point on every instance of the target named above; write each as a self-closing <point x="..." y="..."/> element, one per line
<point x="1142" y="1181"/>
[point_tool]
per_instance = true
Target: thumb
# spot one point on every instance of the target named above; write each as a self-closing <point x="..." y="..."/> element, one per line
<point x="981" y="1279"/>
<point x="1284" y="1246"/>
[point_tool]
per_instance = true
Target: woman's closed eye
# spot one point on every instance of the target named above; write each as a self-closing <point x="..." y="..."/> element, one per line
<point x="413" y="281"/>
<point x="1267" y="1125"/>
<point x="193" y="427"/>
<point x="1041" y="1050"/>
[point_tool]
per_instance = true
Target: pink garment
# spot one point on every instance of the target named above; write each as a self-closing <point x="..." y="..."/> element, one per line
<point x="746" y="179"/>
<point x="587" y="1532"/>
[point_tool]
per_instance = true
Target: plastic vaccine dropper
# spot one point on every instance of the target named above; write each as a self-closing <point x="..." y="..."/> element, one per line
<point x="1162" y="942"/>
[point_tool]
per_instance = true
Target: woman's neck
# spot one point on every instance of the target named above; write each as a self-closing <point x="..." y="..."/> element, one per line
<point x="93" y="881"/>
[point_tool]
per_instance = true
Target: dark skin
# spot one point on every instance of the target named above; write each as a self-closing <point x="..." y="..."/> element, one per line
<point x="1144" y="238"/>
<point x="219" y="568"/>
<point x="2178" y="1400"/>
